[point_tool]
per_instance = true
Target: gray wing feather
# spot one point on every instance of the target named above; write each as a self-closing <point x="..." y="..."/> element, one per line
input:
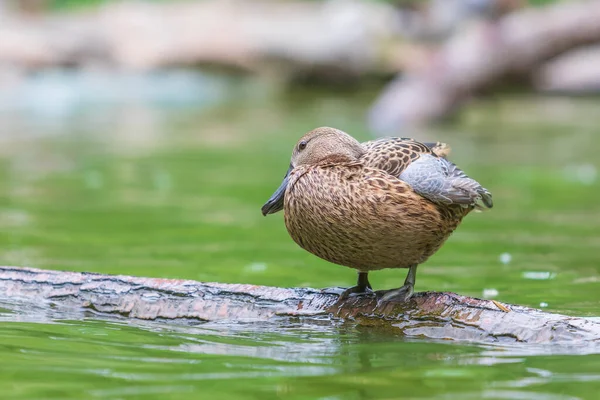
<point x="440" y="181"/>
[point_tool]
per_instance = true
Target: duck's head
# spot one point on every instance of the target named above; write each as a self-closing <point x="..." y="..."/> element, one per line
<point x="319" y="146"/>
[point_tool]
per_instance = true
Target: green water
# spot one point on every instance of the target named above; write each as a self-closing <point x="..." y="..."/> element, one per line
<point x="176" y="192"/>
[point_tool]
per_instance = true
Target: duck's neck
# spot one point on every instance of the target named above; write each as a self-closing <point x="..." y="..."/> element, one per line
<point x="346" y="149"/>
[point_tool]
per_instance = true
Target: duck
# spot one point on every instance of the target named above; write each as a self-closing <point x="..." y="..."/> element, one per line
<point x="385" y="203"/>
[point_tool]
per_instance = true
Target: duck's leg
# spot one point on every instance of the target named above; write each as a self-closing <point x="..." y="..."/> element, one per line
<point x="362" y="286"/>
<point x="405" y="292"/>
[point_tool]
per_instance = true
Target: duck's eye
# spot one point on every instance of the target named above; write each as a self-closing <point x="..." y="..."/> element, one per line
<point x="302" y="145"/>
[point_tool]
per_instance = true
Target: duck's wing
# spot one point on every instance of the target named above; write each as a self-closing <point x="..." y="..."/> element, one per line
<point x="439" y="148"/>
<point x="394" y="155"/>
<point x="441" y="181"/>
<point x="425" y="168"/>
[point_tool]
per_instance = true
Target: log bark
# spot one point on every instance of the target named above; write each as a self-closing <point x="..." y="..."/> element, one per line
<point x="482" y="56"/>
<point x="428" y="314"/>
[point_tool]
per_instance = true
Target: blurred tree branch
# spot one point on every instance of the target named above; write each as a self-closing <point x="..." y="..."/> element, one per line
<point x="484" y="55"/>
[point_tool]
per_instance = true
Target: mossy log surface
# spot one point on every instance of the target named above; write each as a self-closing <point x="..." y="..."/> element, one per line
<point x="428" y="314"/>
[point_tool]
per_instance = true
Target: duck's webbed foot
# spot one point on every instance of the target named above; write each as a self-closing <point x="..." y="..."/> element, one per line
<point x="404" y="293"/>
<point x="363" y="287"/>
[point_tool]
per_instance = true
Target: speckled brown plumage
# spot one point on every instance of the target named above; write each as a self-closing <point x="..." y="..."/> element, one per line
<point x="364" y="218"/>
<point x="393" y="155"/>
<point x="388" y="203"/>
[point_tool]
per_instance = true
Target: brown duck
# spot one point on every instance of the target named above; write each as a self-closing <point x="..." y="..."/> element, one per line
<point x="387" y="203"/>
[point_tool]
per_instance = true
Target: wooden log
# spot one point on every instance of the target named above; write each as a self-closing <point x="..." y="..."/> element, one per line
<point x="428" y="314"/>
<point x="481" y="56"/>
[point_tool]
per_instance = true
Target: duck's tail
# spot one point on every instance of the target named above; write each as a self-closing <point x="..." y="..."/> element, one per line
<point x="468" y="193"/>
<point x="485" y="199"/>
<point x="467" y="190"/>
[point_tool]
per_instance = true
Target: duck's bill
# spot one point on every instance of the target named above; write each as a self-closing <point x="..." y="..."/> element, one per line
<point x="275" y="203"/>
